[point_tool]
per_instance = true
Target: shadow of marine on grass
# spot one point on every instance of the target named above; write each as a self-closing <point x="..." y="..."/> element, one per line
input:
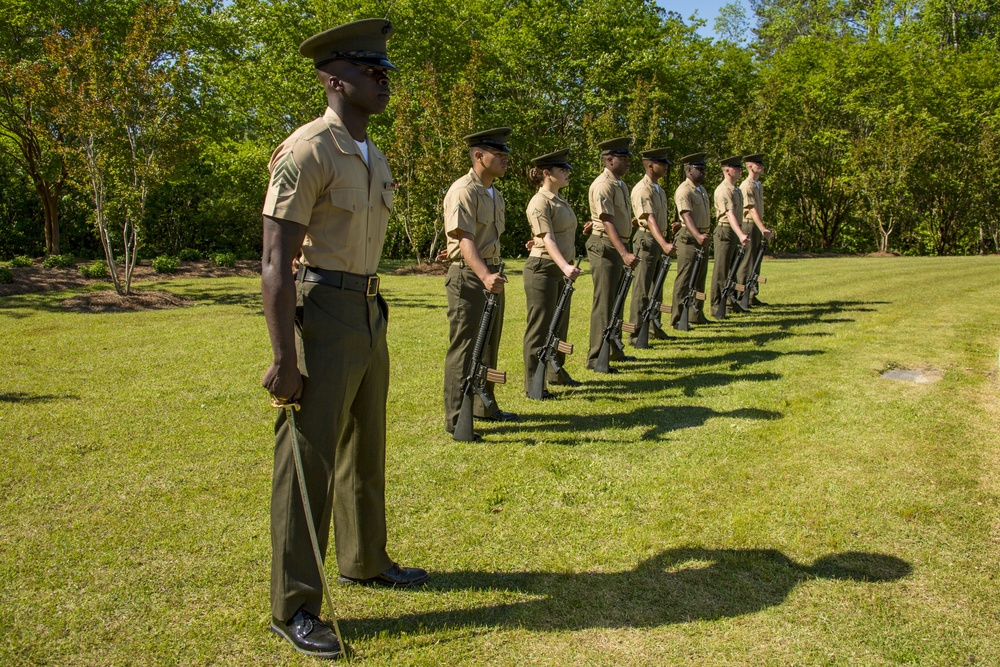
<point x="677" y="586"/>
<point x="657" y="420"/>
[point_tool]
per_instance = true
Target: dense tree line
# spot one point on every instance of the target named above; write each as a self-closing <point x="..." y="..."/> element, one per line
<point x="150" y="123"/>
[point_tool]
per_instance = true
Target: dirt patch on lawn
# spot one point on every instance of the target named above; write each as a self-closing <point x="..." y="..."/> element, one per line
<point x="435" y="269"/>
<point x="29" y="279"/>
<point x="109" y="301"/>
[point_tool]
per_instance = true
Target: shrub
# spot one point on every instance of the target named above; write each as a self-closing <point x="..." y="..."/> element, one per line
<point x="189" y="255"/>
<point x="59" y="262"/>
<point x="95" y="270"/>
<point x="20" y="260"/>
<point x="224" y="259"/>
<point x="165" y="264"/>
<point x="249" y="253"/>
<point x="6" y="275"/>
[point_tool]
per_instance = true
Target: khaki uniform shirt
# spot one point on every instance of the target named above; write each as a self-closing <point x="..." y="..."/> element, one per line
<point x="728" y="198"/>
<point x="753" y="197"/>
<point x="468" y="207"/>
<point x="548" y="212"/>
<point x="693" y="199"/>
<point x="648" y="198"/>
<point x="319" y="179"/>
<point x="609" y="195"/>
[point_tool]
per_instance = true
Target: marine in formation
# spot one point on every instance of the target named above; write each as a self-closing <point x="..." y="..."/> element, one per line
<point x="329" y="197"/>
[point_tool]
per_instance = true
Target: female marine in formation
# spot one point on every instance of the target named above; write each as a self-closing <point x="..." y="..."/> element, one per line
<point x="553" y="247"/>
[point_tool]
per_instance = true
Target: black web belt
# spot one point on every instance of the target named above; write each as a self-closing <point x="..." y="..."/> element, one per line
<point x="367" y="285"/>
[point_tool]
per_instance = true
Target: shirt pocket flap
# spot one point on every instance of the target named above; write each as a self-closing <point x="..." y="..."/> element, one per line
<point x="346" y="199"/>
<point x="387" y="197"/>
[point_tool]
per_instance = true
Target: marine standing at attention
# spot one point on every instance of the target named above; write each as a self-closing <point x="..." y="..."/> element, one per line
<point x="330" y="195"/>
<point x="553" y="229"/>
<point x="695" y="214"/>
<point x="473" y="221"/>
<point x="611" y="217"/>
<point x="649" y="242"/>
<point x="728" y="229"/>
<point x="753" y="215"/>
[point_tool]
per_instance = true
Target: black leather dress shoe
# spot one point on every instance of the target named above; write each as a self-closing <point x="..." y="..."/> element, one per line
<point x="628" y="357"/>
<point x="308" y="635"/>
<point x="394" y="577"/>
<point x="476" y="437"/>
<point x="501" y="416"/>
<point x="564" y="380"/>
<point x="757" y="302"/>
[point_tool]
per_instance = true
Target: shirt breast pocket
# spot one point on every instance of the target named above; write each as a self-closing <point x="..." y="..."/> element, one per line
<point x="345" y="204"/>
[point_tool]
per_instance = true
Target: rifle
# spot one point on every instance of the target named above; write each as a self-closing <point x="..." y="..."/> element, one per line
<point x="479" y="373"/>
<point x="613" y="332"/>
<point x="547" y="353"/>
<point x="647" y="318"/>
<point x="729" y="291"/>
<point x="751" y="289"/>
<point x="692" y="294"/>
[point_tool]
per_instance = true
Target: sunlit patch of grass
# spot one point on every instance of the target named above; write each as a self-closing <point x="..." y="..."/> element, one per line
<point x="748" y="493"/>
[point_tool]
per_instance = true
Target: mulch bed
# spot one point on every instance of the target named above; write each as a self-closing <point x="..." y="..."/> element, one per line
<point x="37" y="279"/>
<point x="109" y="301"/>
<point x="435" y="269"/>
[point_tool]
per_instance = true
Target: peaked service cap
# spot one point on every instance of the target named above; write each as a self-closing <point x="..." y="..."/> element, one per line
<point x="361" y="41"/>
<point x="656" y="155"/>
<point x="556" y="159"/>
<point x="756" y="157"/>
<point x="617" y="146"/>
<point x="495" y="138"/>
<point x="734" y="161"/>
<point x="694" y="158"/>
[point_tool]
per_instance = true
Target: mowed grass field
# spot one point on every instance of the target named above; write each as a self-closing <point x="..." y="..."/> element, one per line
<point x="751" y="493"/>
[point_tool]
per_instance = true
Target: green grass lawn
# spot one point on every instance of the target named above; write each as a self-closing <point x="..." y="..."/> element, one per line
<point x="752" y="493"/>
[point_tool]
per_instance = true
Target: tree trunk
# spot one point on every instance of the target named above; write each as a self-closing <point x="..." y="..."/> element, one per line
<point x="48" y="193"/>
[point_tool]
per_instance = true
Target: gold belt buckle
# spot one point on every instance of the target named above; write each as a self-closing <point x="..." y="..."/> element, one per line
<point x="372" y="288"/>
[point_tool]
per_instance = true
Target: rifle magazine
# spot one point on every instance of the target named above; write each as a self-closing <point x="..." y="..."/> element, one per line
<point x="564" y="347"/>
<point x="495" y="376"/>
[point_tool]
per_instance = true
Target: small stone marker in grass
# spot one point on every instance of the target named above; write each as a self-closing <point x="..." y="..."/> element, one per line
<point x="912" y="376"/>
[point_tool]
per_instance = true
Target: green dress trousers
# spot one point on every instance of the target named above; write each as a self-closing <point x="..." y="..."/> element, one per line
<point x="606" y="266"/>
<point x="543" y="283"/>
<point x="649" y="252"/>
<point x="686" y="248"/>
<point x="466" y="303"/>
<point x="746" y="266"/>
<point x="726" y="245"/>
<point x="344" y="361"/>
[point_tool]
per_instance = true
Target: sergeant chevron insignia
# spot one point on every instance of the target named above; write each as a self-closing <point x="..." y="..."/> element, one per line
<point x="285" y="177"/>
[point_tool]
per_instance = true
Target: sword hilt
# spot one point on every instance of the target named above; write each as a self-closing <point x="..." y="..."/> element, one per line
<point x="282" y="403"/>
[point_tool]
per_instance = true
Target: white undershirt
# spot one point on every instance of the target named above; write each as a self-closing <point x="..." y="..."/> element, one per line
<point x="490" y="191"/>
<point x="363" y="147"/>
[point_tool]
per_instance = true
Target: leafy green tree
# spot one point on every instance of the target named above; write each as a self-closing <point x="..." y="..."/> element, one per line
<point x="121" y="109"/>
